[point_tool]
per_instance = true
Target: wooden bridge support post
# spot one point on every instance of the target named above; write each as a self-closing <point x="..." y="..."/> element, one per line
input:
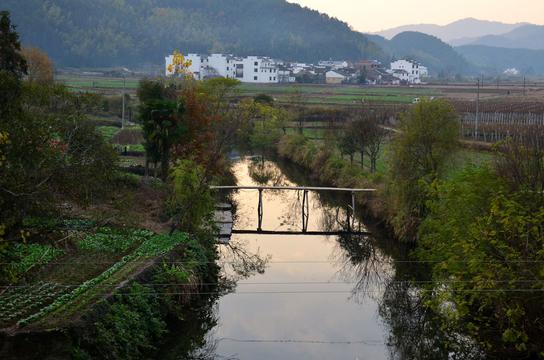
<point x="260" y="210"/>
<point x="305" y="211"/>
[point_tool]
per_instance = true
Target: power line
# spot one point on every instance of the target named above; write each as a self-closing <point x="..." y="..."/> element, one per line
<point x="400" y="282"/>
<point x="321" y="292"/>
<point x="297" y="341"/>
<point x="77" y="263"/>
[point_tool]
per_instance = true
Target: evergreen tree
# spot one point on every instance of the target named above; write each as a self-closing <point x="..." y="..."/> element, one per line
<point x="11" y="59"/>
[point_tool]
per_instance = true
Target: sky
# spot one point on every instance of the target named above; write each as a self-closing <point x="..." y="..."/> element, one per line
<point x="376" y="15"/>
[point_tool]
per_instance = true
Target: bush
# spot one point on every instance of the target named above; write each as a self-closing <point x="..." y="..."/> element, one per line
<point x="191" y="203"/>
<point x="490" y="243"/>
<point x="131" y="328"/>
<point x="419" y="154"/>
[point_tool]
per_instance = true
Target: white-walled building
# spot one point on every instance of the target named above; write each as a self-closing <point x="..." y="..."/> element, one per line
<point x="251" y="69"/>
<point x="334" y="65"/>
<point x="333" y="77"/>
<point x="407" y="70"/>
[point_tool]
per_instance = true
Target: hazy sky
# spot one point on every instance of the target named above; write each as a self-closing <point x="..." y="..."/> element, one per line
<point x="375" y="15"/>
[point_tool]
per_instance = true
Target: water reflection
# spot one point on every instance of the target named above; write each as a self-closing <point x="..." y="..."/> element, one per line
<point x="362" y="264"/>
<point x="315" y="297"/>
<point x="415" y="332"/>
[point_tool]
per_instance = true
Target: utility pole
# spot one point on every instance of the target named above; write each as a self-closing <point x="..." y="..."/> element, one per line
<point x="477" y="108"/>
<point x="524" y="86"/>
<point x="123" y="114"/>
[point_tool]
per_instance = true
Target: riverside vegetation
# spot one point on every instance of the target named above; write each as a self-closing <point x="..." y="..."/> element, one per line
<point x="76" y="227"/>
<point x="98" y="262"/>
<point x="477" y="225"/>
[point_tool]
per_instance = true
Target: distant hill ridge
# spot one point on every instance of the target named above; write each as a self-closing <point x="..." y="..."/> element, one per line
<point x="452" y="33"/>
<point x="523" y="37"/>
<point x="439" y="57"/>
<point x="128" y="32"/>
<point x="109" y="33"/>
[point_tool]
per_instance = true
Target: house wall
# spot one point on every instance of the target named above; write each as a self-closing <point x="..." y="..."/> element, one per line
<point x="252" y="69"/>
<point x="414" y="75"/>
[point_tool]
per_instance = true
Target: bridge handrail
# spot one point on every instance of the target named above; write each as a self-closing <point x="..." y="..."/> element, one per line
<point x="294" y="188"/>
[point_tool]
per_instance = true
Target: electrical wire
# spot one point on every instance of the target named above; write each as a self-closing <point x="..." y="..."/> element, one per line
<point x="297" y="341"/>
<point x="497" y="262"/>
<point x="298" y="283"/>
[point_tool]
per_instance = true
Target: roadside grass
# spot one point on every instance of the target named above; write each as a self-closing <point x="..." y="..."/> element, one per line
<point x="99" y="83"/>
<point x="108" y="132"/>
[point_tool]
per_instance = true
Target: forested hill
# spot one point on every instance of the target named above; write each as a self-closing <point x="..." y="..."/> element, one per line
<point x="132" y="32"/>
<point x="441" y="59"/>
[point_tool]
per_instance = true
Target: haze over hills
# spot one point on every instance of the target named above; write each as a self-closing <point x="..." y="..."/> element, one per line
<point x="110" y="33"/>
<point x="524" y="37"/>
<point x="439" y="57"/>
<point x="106" y="33"/>
<point x="466" y="28"/>
<point x="494" y="60"/>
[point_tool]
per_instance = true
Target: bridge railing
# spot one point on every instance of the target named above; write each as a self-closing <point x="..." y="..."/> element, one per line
<point x="305" y="199"/>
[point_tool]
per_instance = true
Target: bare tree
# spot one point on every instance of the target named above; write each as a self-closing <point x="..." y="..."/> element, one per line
<point x="521" y="159"/>
<point x="374" y="140"/>
<point x="40" y="67"/>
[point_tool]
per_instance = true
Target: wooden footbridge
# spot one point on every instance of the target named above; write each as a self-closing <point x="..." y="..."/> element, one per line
<point x="224" y="219"/>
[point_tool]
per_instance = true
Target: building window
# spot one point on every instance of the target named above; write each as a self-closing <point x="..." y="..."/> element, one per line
<point x="256" y="63"/>
<point x="270" y="78"/>
<point x="228" y="68"/>
<point x="256" y="70"/>
<point x="274" y="78"/>
<point x="255" y="78"/>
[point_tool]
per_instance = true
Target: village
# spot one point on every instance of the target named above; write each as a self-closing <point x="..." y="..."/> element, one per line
<point x="265" y="70"/>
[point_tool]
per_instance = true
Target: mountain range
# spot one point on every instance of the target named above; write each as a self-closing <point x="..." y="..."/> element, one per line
<point x="523" y="37"/>
<point x="105" y="33"/>
<point x="472" y="31"/>
<point x="457" y="32"/>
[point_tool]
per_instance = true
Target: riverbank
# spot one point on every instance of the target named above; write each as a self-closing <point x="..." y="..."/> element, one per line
<point x="476" y="225"/>
<point x="327" y="165"/>
<point x="104" y="289"/>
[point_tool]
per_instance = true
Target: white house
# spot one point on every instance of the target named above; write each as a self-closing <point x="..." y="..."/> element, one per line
<point x="334" y="65"/>
<point x="408" y="70"/>
<point x="333" y="77"/>
<point x="251" y="69"/>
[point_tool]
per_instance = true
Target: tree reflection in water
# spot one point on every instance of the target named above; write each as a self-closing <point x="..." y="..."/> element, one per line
<point x="266" y="173"/>
<point x="415" y="332"/>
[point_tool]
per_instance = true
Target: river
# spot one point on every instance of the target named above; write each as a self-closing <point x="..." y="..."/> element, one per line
<point x="311" y="297"/>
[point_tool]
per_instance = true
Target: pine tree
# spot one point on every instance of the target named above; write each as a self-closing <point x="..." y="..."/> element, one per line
<point x="11" y="59"/>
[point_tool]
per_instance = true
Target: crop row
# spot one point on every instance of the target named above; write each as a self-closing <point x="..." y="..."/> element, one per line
<point x="154" y="246"/>
<point x="113" y="241"/>
<point x="17" y="302"/>
<point x="31" y="255"/>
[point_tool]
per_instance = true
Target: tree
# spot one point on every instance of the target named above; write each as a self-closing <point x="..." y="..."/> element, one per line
<point x="40" y="67"/>
<point x="348" y="144"/>
<point x="521" y="159"/>
<point x="374" y="139"/>
<point x="179" y="65"/>
<point x="11" y="59"/>
<point x="427" y="139"/>
<point x="363" y="134"/>
<point x="299" y="99"/>
<point x="267" y="124"/>
<point x="190" y="203"/>
<point x="484" y="241"/>
<point x="12" y="67"/>
<point x="162" y="128"/>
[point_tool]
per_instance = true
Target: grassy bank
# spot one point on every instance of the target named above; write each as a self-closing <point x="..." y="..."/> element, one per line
<point x="107" y="279"/>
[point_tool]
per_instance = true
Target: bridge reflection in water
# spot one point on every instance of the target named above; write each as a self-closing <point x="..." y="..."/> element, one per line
<point x="350" y="227"/>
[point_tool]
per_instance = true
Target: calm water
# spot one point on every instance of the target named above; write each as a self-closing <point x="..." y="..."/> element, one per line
<point x="319" y="297"/>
